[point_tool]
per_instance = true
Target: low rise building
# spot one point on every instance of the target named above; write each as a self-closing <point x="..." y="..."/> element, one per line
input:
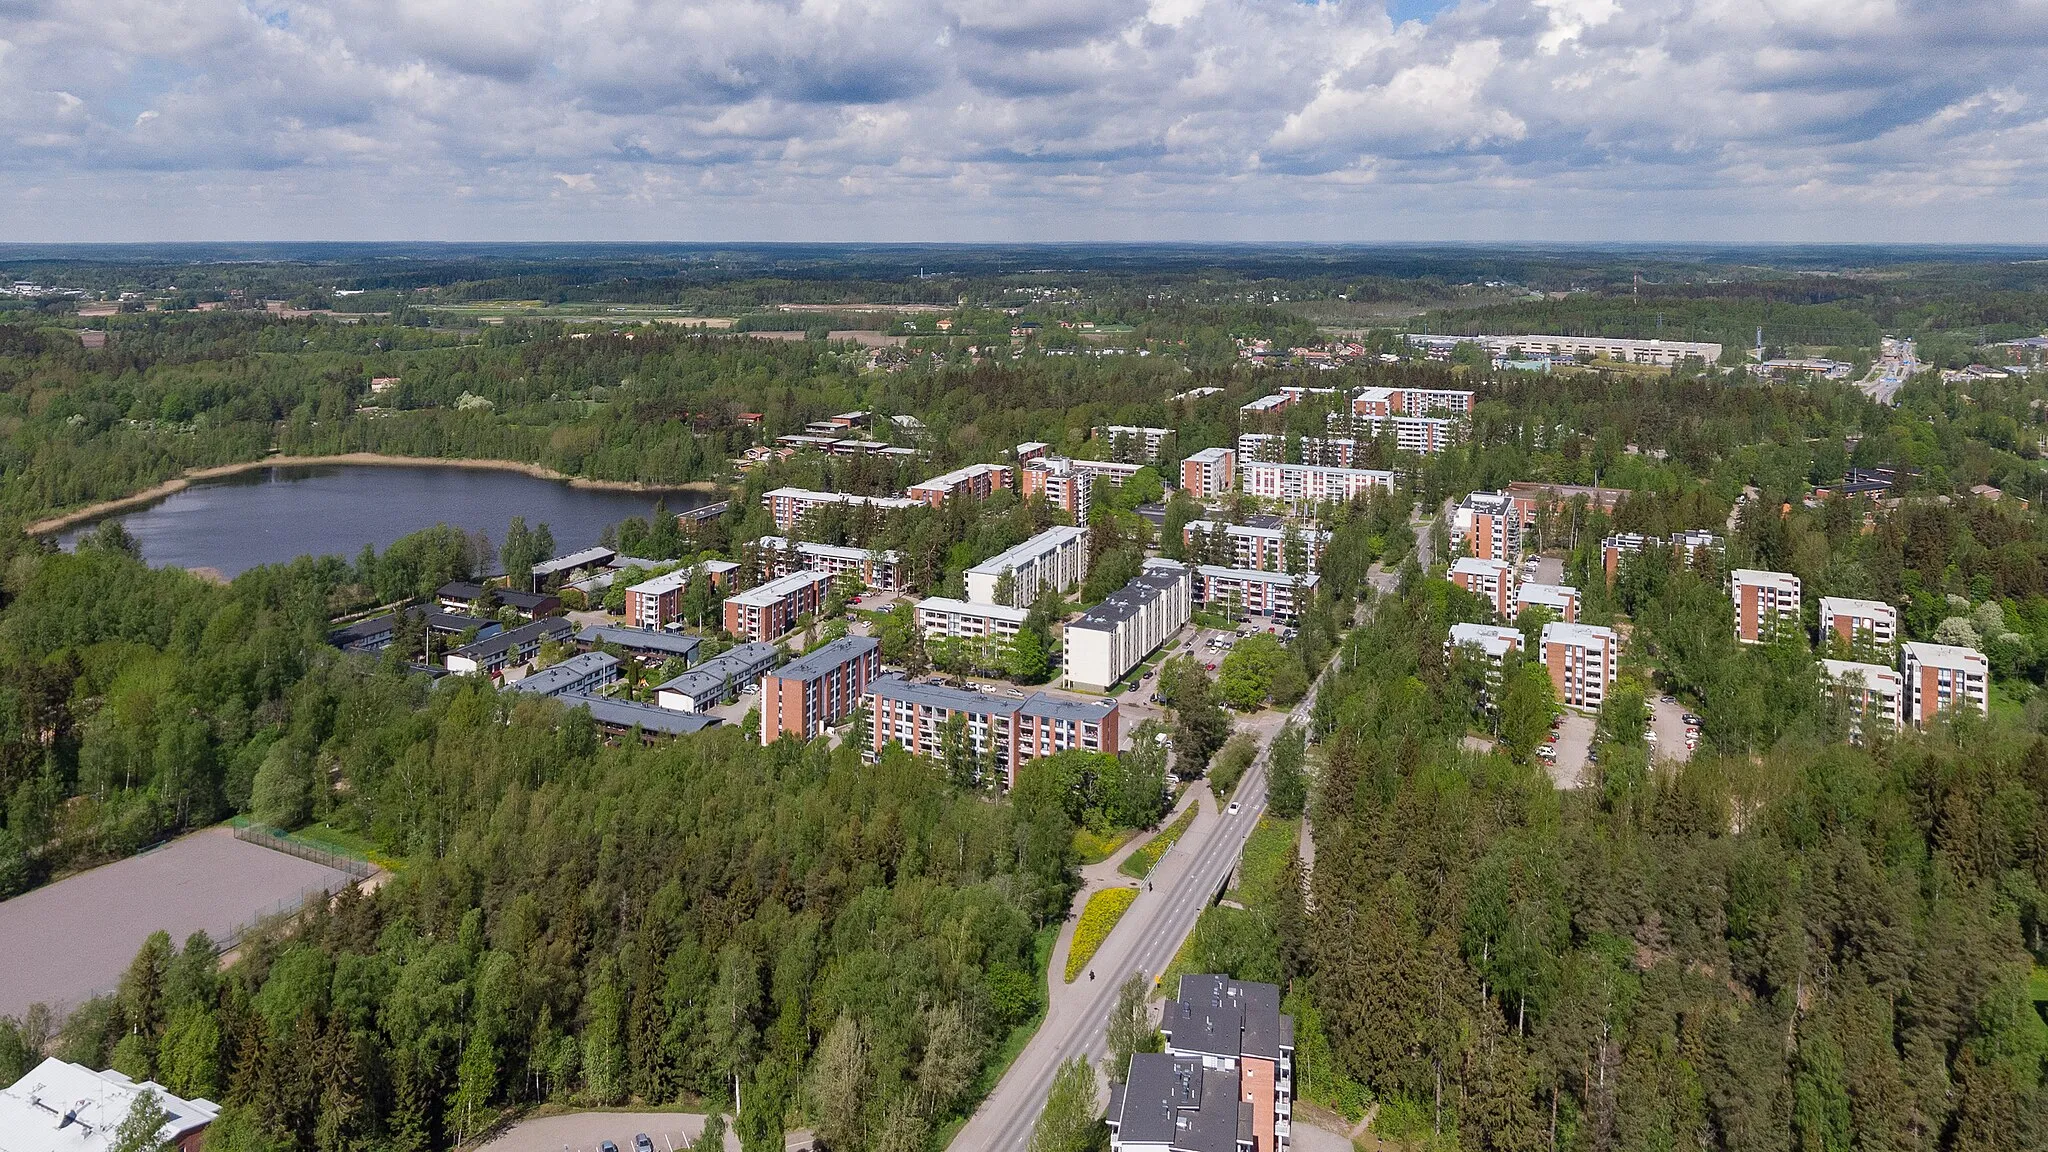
<point x="1225" y="1082"/>
<point x="1285" y="549"/>
<point x="1302" y="485"/>
<point x="509" y="649"/>
<point x="1764" y="602"/>
<point x="1108" y="640"/>
<point x="1870" y="693"/>
<point x="621" y="718"/>
<point x="1860" y="624"/>
<point x="1003" y="732"/>
<point x="1209" y="473"/>
<point x="1241" y="592"/>
<point x="1487" y="525"/>
<point x="718" y="679"/>
<point x="769" y="610"/>
<point x="58" y="1106"/>
<point x="1943" y="678"/>
<point x="581" y="674"/>
<point x="463" y="595"/>
<point x="940" y="617"/>
<point x="1561" y="599"/>
<point x="655" y="645"/>
<point x="1582" y="660"/>
<point x="877" y="568"/>
<point x="974" y="482"/>
<point x="813" y="692"/>
<point x="1491" y="580"/>
<point x="564" y="568"/>
<point x="789" y="507"/>
<point x="1054" y="560"/>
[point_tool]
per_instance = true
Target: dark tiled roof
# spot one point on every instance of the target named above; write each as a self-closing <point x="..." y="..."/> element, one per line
<point x="826" y="658"/>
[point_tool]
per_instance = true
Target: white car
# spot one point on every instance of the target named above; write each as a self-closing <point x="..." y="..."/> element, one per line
<point x="1233" y="807"/>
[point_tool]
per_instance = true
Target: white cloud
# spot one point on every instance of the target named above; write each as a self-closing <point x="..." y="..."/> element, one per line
<point x="965" y="119"/>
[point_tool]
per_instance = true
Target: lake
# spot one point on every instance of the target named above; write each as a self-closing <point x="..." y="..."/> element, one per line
<point x="268" y="516"/>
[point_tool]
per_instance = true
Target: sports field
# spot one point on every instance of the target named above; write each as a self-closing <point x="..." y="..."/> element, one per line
<point x="67" y="941"/>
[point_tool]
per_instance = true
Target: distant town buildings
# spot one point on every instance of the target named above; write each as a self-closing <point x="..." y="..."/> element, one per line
<point x="1666" y="353"/>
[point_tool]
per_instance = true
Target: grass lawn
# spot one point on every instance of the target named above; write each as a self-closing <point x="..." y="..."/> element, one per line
<point x="1094" y="849"/>
<point x="1266" y="854"/>
<point x="1139" y="864"/>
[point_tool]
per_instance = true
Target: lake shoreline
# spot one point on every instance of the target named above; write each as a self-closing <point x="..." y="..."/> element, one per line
<point x="190" y="476"/>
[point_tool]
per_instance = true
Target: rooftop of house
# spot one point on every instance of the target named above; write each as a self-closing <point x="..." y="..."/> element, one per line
<point x="827" y="657"/>
<point x="626" y="714"/>
<point x="641" y="640"/>
<point x="63" y="1107"/>
<point x="558" y="678"/>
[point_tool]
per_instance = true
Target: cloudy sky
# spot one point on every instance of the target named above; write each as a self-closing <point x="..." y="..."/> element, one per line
<point x="1853" y="120"/>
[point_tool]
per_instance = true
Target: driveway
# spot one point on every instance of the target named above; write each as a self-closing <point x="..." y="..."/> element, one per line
<point x="582" y="1131"/>
<point x="1549" y="570"/>
<point x="1575" y="738"/>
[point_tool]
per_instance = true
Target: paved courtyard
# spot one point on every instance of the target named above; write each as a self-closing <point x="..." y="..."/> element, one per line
<point x="583" y="1131"/>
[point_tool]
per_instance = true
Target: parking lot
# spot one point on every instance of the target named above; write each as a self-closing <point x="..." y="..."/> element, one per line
<point x="1574" y="740"/>
<point x="586" y="1131"/>
<point x="1667" y="720"/>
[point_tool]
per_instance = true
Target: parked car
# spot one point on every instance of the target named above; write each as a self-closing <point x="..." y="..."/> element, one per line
<point x="642" y="1144"/>
<point x="1668" y="698"/>
<point x="1211" y="665"/>
<point x="607" y="1146"/>
<point x="1233" y="807"/>
<point x="1014" y="694"/>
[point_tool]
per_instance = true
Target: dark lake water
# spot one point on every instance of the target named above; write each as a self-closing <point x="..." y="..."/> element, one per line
<point x="276" y="514"/>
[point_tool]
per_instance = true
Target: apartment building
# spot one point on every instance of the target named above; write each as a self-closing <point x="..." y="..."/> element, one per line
<point x="1056" y="480"/>
<point x="1869" y="691"/>
<point x="1113" y="471"/>
<point x="1301" y="485"/>
<point x="1132" y="442"/>
<point x="1582" y="661"/>
<point x="1006" y="733"/>
<point x="509" y="649"/>
<point x="1622" y="544"/>
<point x="1693" y="544"/>
<point x="1487" y="525"/>
<point x="940" y="617"/>
<point x="1562" y="599"/>
<point x="1270" y="447"/>
<point x="717" y="680"/>
<point x="1268" y="405"/>
<point x="658" y="602"/>
<point x="1225" y="1082"/>
<point x="1491" y="641"/>
<point x="974" y="482"/>
<point x="1659" y="352"/>
<point x="461" y="595"/>
<point x="1491" y="580"/>
<point x="1764" y="602"/>
<point x="789" y="506"/>
<point x="1861" y="624"/>
<point x="881" y="569"/>
<point x="1108" y="640"/>
<point x="1411" y="402"/>
<point x="1943" y="678"/>
<point x="1210" y="472"/>
<point x="1055" y="559"/>
<point x="583" y="673"/>
<point x="1256" y="546"/>
<point x="1422" y="435"/>
<point x="1242" y="592"/>
<point x="769" y="610"/>
<point x="813" y="692"/>
<point x="1030" y="450"/>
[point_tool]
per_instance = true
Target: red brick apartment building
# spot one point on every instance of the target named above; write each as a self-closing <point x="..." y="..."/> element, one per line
<point x="767" y="611"/>
<point x="808" y="695"/>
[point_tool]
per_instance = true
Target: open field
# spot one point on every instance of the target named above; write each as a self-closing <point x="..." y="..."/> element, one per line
<point x="67" y="941"/>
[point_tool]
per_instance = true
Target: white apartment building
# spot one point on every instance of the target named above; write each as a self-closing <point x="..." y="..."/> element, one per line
<point x="1422" y="435"/>
<point x="1870" y="690"/>
<point x="1056" y="558"/>
<point x="1764" y="601"/>
<point x="1661" y="352"/>
<point x="1254" y="546"/>
<point x="939" y="617"/>
<point x="1487" y="525"/>
<point x="1491" y="580"/>
<point x="1300" y="485"/>
<point x="1241" y="592"/>
<point x="789" y="506"/>
<point x="1582" y="661"/>
<point x="1562" y="599"/>
<point x="1490" y="640"/>
<point x="1268" y="446"/>
<point x="1133" y="442"/>
<point x="1942" y="678"/>
<point x="877" y="568"/>
<point x="1108" y="640"/>
<point x="1869" y="623"/>
<point x="1411" y="401"/>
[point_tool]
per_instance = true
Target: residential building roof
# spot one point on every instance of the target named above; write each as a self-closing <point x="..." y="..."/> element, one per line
<point x="552" y="628"/>
<point x="827" y="657"/>
<point x="1577" y="635"/>
<point x="762" y="595"/>
<point x="63" y="1107"/>
<point x="468" y="590"/>
<point x="557" y="678"/>
<point x="663" y="585"/>
<point x="641" y="640"/>
<point x="1055" y="537"/>
<point x="966" y="608"/>
<point x="735" y="665"/>
<point x="1128" y="601"/>
<point x="587" y="558"/>
<point x="626" y="714"/>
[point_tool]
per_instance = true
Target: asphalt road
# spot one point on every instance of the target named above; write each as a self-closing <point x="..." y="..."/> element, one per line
<point x="1185" y="881"/>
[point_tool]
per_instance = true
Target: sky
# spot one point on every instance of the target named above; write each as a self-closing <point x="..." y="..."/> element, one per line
<point x="1025" y="120"/>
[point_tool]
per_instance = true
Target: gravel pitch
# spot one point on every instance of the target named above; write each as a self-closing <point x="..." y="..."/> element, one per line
<point x="67" y="941"/>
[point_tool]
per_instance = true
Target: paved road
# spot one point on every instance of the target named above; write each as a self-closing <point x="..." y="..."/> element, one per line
<point x="1895" y="365"/>
<point x="1145" y="940"/>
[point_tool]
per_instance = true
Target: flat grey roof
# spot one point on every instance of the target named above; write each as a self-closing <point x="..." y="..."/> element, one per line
<point x="641" y="640"/>
<point x="552" y="628"/>
<point x="552" y="680"/>
<point x="940" y="696"/>
<point x="625" y="714"/>
<point x="737" y="664"/>
<point x="826" y="658"/>
<point x="1127" y="601"/>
